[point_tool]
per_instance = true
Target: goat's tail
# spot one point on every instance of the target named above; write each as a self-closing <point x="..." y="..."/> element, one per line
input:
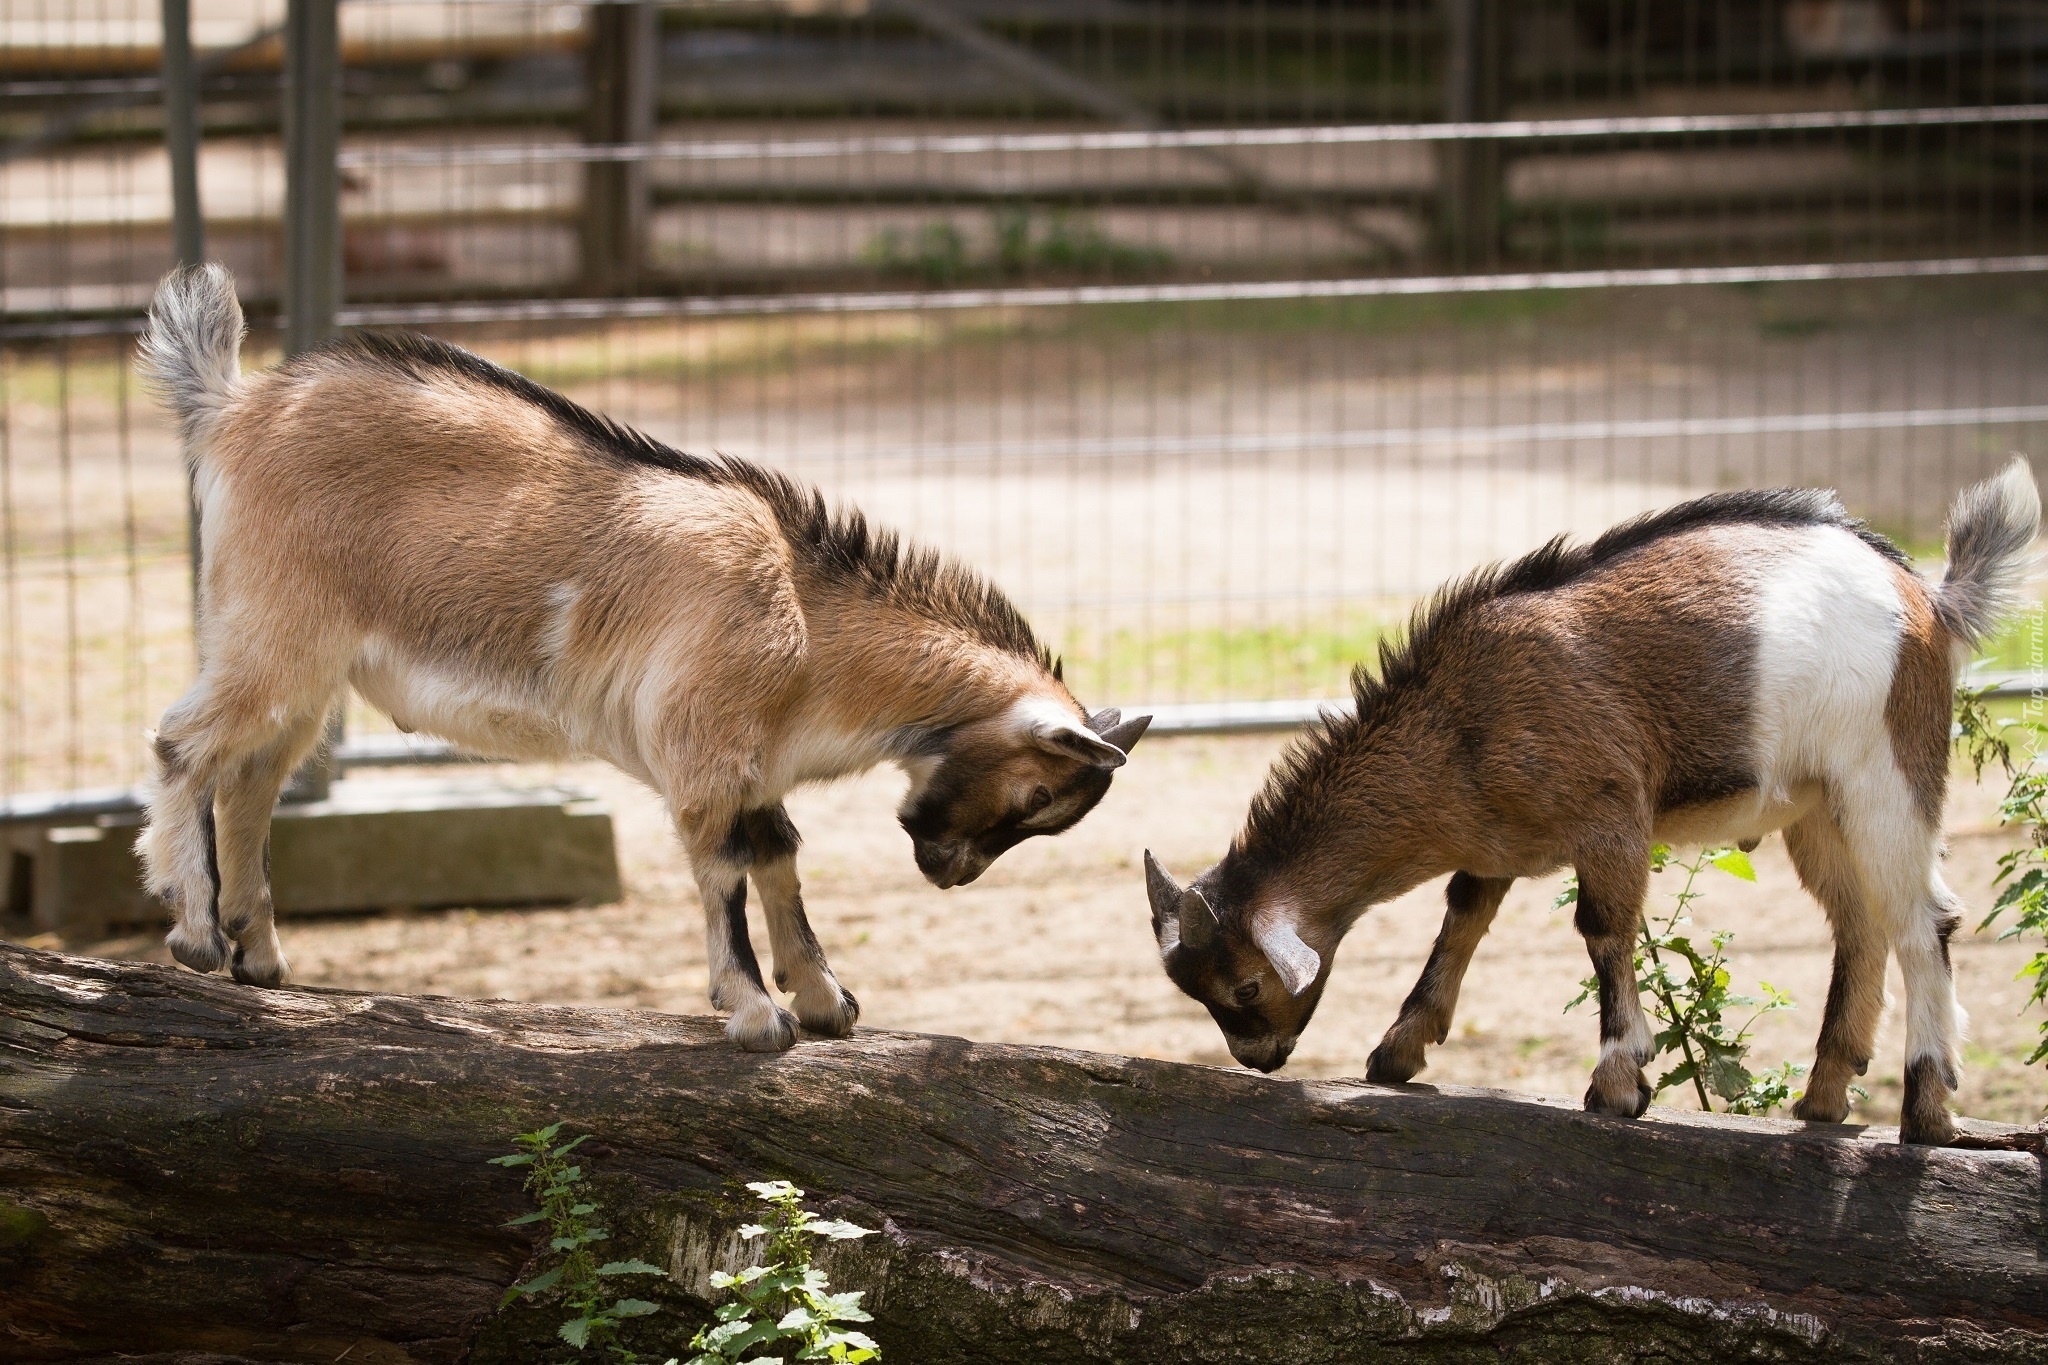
<point x="191" y="351"/>
<point x="1991" y="529"/>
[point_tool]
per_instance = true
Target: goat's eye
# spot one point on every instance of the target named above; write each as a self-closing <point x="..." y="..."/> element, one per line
<point x="1040" y="799"/>
<point x="1246" y="993"/>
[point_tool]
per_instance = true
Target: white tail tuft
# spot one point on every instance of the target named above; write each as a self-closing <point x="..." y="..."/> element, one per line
<point x="191" y="351"/>
<point x="1991" y="529"/>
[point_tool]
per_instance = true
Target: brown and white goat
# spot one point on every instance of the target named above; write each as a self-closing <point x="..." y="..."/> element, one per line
<point x="485" y="560"/>
<point x="1738" y="664"/>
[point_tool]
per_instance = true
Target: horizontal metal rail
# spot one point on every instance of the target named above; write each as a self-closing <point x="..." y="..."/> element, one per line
<point x="1381" y="286"/>
<point x="1199" y="139"/>
<point x="1192" y="718"/>
<point x="1513" y="433"/>
<point x="943" y="300"/>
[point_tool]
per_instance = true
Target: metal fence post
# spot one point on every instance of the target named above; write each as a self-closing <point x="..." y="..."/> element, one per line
<point x="621" y="76"/>
<point x="1470" y="201"/>
<point x="188" y="223"/>
<point x="312" y="234"/>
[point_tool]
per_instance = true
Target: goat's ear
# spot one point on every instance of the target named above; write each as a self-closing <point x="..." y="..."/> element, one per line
<point x="1295" y="962"/>
<point x="1164" y="893"/>
<point x="1073" y="740"/>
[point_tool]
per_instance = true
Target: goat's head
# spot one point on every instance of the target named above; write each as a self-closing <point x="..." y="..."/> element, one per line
<point x="981" y="789"/>
<point x="1242" y="958"/>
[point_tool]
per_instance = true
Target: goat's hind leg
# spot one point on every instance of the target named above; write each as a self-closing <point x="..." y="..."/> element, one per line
<point x="1425" y="1018"/>
<point x="177" y="844"/>
<point x="719" y="856"/>
<point x="243" y="800"/>
<point x="822" y="1004"/>
<point x="1895" y="847"/>
<point x="1848" y="1029"/>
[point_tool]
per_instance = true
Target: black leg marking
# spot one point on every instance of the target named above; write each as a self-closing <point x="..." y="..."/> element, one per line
<point x="737" y="943"/>
<point x="1946" y="929"/>
<point x="212" y="860"/>
<point x="1924" y="1118"/>
<point x="737" y="848"/>
<point x="770" y="835"/>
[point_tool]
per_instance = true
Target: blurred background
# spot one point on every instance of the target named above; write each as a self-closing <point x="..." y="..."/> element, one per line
<point x="1216" y="331"/>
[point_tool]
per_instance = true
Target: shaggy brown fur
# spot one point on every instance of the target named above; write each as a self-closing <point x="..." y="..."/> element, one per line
<point x="485" y="560"/>
<point x="1699" y="675"/>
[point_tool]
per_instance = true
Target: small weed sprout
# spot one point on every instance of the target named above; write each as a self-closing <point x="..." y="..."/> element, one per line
<point x="1690" y="997"/>
<point x="784" y="1301"/>
<point x="2022" y="879"/>
<point x="556" y="1185"/>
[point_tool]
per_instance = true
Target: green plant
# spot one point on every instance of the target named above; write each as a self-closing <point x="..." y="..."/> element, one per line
<point x="584" y="1285"/>
<point x="1689" y="993"/>
<point x="785" y="1299"/>
<point x="2022" y="879"/>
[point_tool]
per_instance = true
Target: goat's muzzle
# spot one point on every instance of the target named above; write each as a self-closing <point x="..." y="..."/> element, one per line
<point x="949" y="865"/>
<point x="1267" y="1054"/>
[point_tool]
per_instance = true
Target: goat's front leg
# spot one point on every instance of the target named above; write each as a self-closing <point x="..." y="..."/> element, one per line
<point x="719" y="861"/>
<point x="824" y="1006"/>
<point x="1425" y="1016"/>
<point x="1611" y="891"/>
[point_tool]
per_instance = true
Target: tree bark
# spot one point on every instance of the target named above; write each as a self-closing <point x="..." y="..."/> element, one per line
<point x="193" y="1170"/>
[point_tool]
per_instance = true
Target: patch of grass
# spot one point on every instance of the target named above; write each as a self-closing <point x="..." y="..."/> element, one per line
<point x="1217" y="663"/>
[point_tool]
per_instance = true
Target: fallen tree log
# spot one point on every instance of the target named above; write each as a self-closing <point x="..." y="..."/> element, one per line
<point x="194" y="1170"/>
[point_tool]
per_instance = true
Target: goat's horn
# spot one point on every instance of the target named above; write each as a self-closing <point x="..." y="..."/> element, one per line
<point x="1127" y="734"/>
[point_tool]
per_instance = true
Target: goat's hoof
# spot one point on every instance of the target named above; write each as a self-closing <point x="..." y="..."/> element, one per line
<point x="1812" y="1109"/>
<point x="765" y="1027"/>
<point x="204" y="951"/>
<point x="1927" y="1130"/>
<point x="257" y="972"/>
<point x="1631" y="1103"/>
<point x="833" y="1020"/>
<point x="1387" y="1066"/>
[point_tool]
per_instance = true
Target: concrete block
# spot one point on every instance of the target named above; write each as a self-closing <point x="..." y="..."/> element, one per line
<point x="375" y="843"/>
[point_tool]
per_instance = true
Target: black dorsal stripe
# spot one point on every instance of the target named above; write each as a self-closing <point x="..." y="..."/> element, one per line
<point x="841" y="543"/>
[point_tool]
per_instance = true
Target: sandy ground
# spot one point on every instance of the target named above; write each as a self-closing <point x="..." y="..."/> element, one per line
<point x="1053" y="945"/>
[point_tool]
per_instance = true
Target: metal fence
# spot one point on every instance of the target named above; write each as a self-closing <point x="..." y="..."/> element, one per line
<point x="1217" y="331"/>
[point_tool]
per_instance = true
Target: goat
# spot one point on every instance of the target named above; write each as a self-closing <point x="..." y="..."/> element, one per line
<point x="1738" y="664"/>
<point x="487" y="561"/>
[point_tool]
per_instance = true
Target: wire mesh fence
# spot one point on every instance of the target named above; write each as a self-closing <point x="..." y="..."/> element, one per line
<point x="1217" y="331"/>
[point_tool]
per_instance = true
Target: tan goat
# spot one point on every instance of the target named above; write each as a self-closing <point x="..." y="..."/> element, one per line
<point x="1739" y="664"/>
<point x="485" y="560"/>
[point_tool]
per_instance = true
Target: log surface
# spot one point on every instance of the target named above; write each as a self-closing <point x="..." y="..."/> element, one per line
<point x="195" y="1170"/>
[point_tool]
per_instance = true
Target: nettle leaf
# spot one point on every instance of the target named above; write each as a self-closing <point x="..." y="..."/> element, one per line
<point x="634" y="1308"/>
<point x="576" y="1332"/>
<point x="839" y="1230"/>
<point x="1677" y="1075"/>
<point x="521" y="1159"/>
<point x="539" y="1284"/>
<point x="773" y="1190"/>
<point x="750" y="1231"/>
<point x="523" y="1219"/>
<point x="1727" y="1076"/>
<point x="629" y="1268"/>
<point x="1734" y="862"/>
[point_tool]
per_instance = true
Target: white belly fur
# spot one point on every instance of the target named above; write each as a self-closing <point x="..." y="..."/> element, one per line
<point x="466" y="710"/>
